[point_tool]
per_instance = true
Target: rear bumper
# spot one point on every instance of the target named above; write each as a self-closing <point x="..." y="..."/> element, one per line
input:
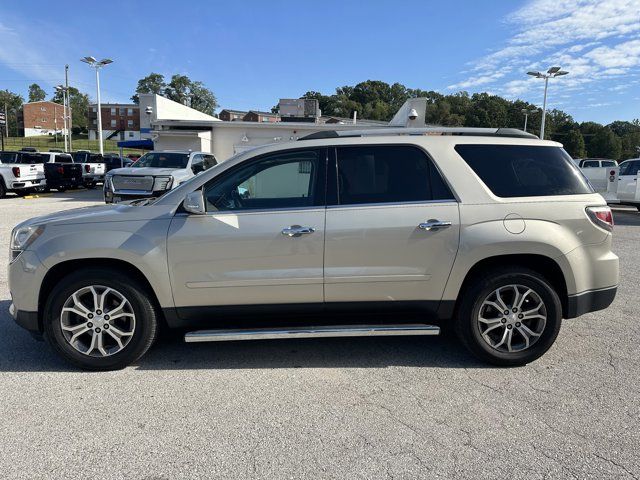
<point x="22" y="184"/>
<point x="590" y="301"/>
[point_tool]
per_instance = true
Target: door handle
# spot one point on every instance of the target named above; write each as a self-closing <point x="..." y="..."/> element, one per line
<point x="433" y="225"/>
<point x="297" y="231"/>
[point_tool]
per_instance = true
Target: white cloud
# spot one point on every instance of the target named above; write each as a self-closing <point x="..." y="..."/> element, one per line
<point x="591" y="39"/>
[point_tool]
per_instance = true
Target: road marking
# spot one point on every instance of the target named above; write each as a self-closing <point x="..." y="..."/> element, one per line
<point x="30" y="197"/>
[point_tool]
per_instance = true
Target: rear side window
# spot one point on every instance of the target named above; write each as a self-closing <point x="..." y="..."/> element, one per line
<point x="387" y="174"/>
<point x="590" y="164"/>
<point x="6" y="157"/>
<point x="525" y="171"/>
<point x="608" y="163"/>
<point x="629" y="168"/>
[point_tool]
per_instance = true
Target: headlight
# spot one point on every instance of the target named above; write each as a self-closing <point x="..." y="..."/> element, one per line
<point x="22" y="237"/>
<point x="162" y="183"/>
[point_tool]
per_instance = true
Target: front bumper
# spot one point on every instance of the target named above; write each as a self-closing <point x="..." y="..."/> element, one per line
<point x="590" y="301"/>
<point x="27" y="320"/>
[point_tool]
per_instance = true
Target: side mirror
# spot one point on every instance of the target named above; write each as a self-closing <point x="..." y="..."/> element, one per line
<point x="194" y="203"/>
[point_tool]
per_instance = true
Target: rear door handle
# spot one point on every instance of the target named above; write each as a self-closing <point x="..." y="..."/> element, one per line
<point x="434" y="225"/>
<point x="297" y="231"/>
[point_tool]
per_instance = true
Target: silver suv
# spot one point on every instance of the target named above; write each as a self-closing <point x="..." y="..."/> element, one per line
<point x="493" y="232"/>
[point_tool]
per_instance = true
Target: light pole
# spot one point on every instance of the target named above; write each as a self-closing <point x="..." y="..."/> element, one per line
<point x="527" y="112"/>
<point x="551" y="73"/>
<point x="65" y="131"/>
<point x="92" y="62"/>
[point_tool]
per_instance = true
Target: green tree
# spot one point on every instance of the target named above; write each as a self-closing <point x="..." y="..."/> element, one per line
<point x="573" y="143"/>
<point x="36" y="93"/>
<point x="152" y="83"/>
<point x="202" y="99"/>
<point x="605" y="144"/>
<point x="630" y="145"/>
<point x="79" y="103"/>
<point x="486" y="111"/>
<point x="13" y="103"/>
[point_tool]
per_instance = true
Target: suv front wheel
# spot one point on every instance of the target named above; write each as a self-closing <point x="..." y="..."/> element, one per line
<point x="98" y="320"/>
<point x="510" y="317"/>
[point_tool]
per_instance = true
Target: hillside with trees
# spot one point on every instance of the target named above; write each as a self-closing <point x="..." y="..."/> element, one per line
<point x="378" y="100"/>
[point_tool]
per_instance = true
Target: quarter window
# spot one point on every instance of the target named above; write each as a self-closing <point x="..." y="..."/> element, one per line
<point x="388" y="174"/>
<point x="524" y="171"/>
<point x="284" y="180"/>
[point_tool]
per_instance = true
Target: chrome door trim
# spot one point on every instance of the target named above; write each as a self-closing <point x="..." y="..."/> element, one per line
<point x="393" y="204"/>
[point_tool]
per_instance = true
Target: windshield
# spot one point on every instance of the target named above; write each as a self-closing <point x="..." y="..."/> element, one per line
<point x="31" y="158"/>
<point x="163" y="160"/>
<point x="80" y="157"/>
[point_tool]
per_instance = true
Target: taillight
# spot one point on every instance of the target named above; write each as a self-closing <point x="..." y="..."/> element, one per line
<point x="16" y="171"/>
<point x="60" y="170"/>
<point x="601" y="216"/>
<point x="87" y="168"/>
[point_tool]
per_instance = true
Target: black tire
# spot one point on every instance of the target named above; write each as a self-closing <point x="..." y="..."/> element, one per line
<point x="3" y="189"/>
<point x="468" y="327"/>
<point x="146" y="327"/>
<point x="638" y="207"/>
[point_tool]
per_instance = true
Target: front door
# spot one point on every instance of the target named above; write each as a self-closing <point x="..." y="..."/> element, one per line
<point x="262" y="239"/>
<point x="627" y="181"/>
<point x="392" y="233"/>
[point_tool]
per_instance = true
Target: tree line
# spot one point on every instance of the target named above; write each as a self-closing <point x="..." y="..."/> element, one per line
<point x="377" y="100"/>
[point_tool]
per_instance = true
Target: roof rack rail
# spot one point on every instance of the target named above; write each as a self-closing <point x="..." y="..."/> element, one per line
<point x="463" y="131"/>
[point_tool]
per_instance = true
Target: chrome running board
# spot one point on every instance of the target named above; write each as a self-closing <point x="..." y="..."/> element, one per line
<point x="310" y="332"/>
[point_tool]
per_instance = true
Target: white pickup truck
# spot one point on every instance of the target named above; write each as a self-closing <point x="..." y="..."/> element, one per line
<point x="602" y="173"/>
<point x="20" y="172"/>
<point x="628" y="185"/>
<point x="154" y="173"/>
<point x="93" y="167"/>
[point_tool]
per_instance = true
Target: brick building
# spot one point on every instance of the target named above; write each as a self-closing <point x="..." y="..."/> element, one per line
<point x="120" y="121"/>
<point x="231" y="115"/>
<point x="262" y="117"/>
<point x="41" y="118"/>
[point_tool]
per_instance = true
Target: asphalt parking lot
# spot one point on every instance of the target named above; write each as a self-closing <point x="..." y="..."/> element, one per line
<point x="327" y="408"/>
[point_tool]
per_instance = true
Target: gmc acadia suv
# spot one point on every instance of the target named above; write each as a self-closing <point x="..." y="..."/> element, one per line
<point x="491" y="231"/>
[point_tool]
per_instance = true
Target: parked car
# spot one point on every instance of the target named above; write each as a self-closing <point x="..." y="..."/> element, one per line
<point x="113" y="161"/>
<point x="20" y="172"/>
<point x="601" y="173"/>
<point x="628" y="193"/>
<point x="155" y="173"/>
<point x="494" y="232"/>
<point x="93" y="167"/>
<point x="60" y="171"/>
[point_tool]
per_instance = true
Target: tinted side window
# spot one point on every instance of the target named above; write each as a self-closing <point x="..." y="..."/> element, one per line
<point x="387" y="174"/>
<point x="285" y="180"/>
<point x="524" y="171"/>
<point x="590" y="164"/>
<point x="608" y="163"/>
<point x="209" y="161"/>
<point x="33" y="158"/>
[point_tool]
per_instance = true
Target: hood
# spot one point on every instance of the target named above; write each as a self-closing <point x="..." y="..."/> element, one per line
<point x="154" y="171"/>
<point x="101" y="214"/>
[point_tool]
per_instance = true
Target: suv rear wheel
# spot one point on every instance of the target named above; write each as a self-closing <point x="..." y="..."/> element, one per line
<point x="98" y="320"/>
<point x="510" y="317"/>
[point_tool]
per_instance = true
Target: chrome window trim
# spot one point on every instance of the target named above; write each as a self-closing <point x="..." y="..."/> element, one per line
<point x="319" y="208"/>
<point x="392" y="204"/>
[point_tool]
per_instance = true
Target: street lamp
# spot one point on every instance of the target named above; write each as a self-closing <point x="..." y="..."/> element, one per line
<point x="551" y="73"/>
<point x="92" y="62"/>
<point x="527" y="112"/>
<point x="65" y="117"/>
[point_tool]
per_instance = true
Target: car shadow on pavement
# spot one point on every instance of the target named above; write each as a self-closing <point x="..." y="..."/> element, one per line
<point x="626" y="217"/>
<point x="19" y="352"/>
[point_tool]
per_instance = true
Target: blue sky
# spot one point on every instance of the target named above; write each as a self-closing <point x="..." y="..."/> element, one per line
<point x="250" y="53"/>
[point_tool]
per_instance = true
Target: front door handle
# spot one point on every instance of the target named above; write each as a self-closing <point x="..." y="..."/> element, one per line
<point x="297" y="231"/>
<point x="433" y="225"/>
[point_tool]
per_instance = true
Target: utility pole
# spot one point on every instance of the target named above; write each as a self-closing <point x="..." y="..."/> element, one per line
<point x="551" y="73"/>
<point x="66" y="86"/>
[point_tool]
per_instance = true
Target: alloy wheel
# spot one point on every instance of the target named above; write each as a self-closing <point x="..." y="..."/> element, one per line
<point x="512" y="318"/>
<point x="97" y="321"/>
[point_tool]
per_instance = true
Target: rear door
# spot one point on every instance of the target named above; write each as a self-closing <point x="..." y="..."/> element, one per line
<point x="627" y="180"/>
<point x="382" y="241"/>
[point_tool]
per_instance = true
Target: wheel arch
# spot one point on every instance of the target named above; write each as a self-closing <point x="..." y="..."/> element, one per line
<point x="545" y="266"/>
<point x="62" y="269"/>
